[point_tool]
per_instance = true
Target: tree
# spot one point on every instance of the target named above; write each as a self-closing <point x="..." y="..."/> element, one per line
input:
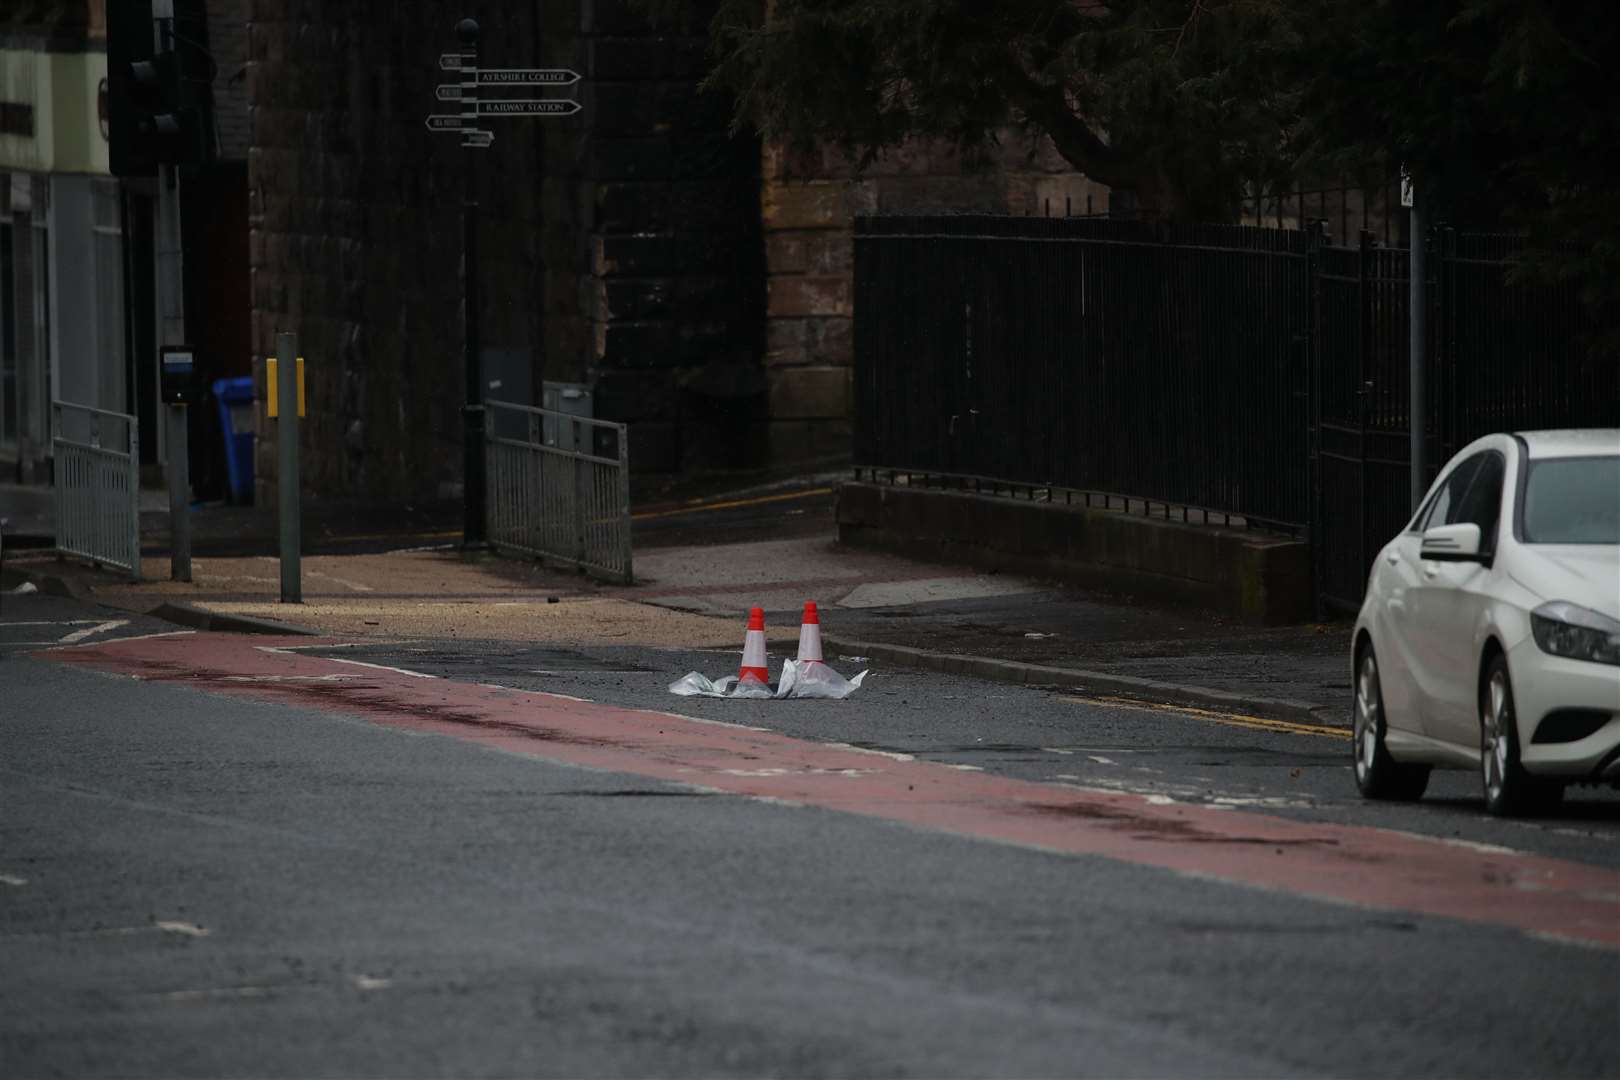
<point x="1504" y="111"/>
<point x="1179" y="101"/>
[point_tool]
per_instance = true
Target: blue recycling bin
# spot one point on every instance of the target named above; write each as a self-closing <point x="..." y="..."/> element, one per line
<point x="235" y="400"/>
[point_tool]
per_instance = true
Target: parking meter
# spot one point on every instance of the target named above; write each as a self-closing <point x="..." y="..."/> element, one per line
<point x="177" y="381"/>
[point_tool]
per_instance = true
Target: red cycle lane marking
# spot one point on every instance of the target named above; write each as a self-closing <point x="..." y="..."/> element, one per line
<point x="1343" y="863"/>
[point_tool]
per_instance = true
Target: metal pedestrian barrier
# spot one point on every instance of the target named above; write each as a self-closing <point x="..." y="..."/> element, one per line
<point x="559" y="488"/>
<point x="98" y="490"/>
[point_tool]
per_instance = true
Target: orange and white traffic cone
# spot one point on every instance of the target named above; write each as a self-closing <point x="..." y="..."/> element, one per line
<point x="810" y="635"/>
<point x="753" y="660"/>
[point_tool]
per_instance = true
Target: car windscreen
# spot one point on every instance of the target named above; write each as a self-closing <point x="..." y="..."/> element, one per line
<point x="1572" y="501"/>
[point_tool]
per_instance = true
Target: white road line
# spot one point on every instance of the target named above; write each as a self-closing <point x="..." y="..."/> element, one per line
<point x="288" y="678"/>
<point x="165" y="633"/>
<point x="382" y="667"/>
<point x="13" y="880"/>
<point x="90" y="631"/>
<point x="170" y="926"/>
<point x="1099" y="759"/>
<point x="352" y="586"/>
<point x="372" y="982"/>
<point x="222" y="992"/>
<point x="1055" y="750"/>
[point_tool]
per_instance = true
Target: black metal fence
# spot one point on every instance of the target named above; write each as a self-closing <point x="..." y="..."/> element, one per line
<point x="1167" y="363"/>
<point x="1251" y="371"/>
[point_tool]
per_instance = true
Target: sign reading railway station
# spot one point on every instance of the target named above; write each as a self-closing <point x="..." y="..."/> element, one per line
<point x="473" y="107"/>
<point x="462" y="95"/>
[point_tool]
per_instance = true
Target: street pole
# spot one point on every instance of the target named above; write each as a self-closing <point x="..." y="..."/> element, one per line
<point x="472" y="450"/>
<point x="179" y="472"/>
<point x="1418" y="299"/>
<point x="171" y="307"/>
<point x="292" y="589"/>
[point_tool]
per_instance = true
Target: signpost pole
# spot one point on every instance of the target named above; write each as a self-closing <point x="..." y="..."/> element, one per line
<point x="1418" y="413"/>
<point x="472" y="445"/>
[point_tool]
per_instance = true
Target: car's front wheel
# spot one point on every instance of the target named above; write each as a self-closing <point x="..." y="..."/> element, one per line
<point x="1378" y="775"/>
<point x="1509" y="790"/>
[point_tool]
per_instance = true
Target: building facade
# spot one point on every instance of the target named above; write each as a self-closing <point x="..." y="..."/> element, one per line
<point x="62" y="279"/>
<point x="697" y="281"/>
<point x="79" y="311"/>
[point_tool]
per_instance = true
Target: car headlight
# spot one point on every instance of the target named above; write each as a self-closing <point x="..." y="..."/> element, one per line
<point x="1565" y="629"/>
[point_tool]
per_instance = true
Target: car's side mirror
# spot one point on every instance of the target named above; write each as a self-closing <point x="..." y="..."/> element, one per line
<point x="1452" y="543"/>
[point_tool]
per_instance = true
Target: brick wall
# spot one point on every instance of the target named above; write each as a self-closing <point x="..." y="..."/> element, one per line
<point x="808" y="206"/>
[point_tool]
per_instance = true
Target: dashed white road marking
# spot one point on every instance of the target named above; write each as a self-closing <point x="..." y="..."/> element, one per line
<point x="894" y="754"/>
<point x="288" y="678"/>
<point x="1055" y="750"/>
<point x="1099" y="759"/>
<point x="170" y="926"/>
<point x="372" y="982"/>
<point x="13" y="880"/>
<point x="221" y="992"/>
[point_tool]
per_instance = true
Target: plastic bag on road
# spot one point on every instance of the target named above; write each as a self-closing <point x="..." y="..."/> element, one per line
<point x="811" y="679"/>
<point x="696" y="684"/>
<point x="814" y="679"/>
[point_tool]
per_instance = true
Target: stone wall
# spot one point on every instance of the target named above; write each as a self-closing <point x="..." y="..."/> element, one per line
<point x="700" y="283"/>
<point x="665" y="302"/>
<point x="809" y="204"/>
<point x="356" y="236"/>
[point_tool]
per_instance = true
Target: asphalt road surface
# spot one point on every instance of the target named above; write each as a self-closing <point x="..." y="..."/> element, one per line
<point x="257" y="858"/>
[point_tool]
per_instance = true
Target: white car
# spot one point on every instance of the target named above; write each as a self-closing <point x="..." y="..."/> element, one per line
<point x="1490" y="634"/>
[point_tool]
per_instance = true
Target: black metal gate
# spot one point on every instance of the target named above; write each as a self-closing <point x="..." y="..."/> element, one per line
<point x="1163" y="364"/>
<point x="1362" y="484"/>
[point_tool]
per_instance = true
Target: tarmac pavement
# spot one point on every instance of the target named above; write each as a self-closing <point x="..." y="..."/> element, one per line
<point x="700" y="565"/>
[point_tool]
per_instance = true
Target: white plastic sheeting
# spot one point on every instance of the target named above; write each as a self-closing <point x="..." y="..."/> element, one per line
<point x="807" y="679"/>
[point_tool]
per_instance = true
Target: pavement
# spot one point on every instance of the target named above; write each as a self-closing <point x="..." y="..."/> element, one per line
<point x="703" y="556"/>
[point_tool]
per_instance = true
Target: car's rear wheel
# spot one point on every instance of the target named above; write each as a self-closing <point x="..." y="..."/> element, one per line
<point x="1509" y="790"/>
<point x="1378" y="775"/>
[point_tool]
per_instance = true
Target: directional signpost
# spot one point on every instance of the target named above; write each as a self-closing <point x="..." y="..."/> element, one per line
<point x="473" y="137"/>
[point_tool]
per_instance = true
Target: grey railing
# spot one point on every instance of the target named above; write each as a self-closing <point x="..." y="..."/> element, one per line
<point x="97" y="464"/>
<point x="559" y="488"/>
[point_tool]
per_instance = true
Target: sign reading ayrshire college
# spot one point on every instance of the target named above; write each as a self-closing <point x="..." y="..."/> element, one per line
<point x="466" y="92"/>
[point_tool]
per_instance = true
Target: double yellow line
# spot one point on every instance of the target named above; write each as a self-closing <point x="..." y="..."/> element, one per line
<point x="732" y="504"/>
<point x="1238" y="720"/>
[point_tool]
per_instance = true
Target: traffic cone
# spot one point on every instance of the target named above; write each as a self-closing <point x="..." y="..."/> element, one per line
<point x="753" y="659"/>
<point x="810" y="634"/>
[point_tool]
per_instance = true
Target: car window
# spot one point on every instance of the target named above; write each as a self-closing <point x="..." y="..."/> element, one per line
<point x="1481" y="504"/>
<point x="1572" y="501"/>
<point x="1446" y="500"/>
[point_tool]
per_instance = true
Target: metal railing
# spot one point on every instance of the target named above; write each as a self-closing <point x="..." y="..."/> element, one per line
<point x="559" y="488"/>
<point x="97" y="465"/>
<point x="1256" y="373"/>
<point x="1166" y="363"/>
